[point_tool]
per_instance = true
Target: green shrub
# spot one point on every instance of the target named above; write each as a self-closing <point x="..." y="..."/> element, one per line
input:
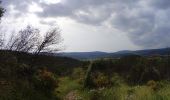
<point x="116" y="80"/>
<point x="152" y="84"/>
<point x="150" y="73"/>
<point x="45" y="81"/>
<point x="78" y="74"/>
<point x="136" y="71"/>
<point x="100" y="80"/>
<point x="95" y="95"/>
<point x="66" y="85"/>
<point x="23" y="71"/>
<point x="87" y="81"/>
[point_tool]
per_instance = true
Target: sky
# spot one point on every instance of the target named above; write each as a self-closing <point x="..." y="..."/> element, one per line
<point x="95" y="25"/>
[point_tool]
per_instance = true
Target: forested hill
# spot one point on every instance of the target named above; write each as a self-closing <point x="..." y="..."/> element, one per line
<point x="60" y="65"/>
<point x="98" y="54"/>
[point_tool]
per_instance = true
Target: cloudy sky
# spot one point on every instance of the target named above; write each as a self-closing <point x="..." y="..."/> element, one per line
<point x="95" y="25"/>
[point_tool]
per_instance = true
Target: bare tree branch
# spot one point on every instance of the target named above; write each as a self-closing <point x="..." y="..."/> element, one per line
<point x="29" y="40"/>
<point x="51" y="40"/>
<point x="2" y="40"/>
<point x="25" y="40"/>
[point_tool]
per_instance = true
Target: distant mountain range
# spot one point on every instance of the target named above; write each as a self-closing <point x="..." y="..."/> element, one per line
<point x="98" y="54"/>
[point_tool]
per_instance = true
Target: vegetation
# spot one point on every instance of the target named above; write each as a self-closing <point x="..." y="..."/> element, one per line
<point x="29" y="40"/>
<point x="2" y="10"/>
<point x="19" y="80"/>
<point x="27" y="73"/>
<point x="58" y="78"/>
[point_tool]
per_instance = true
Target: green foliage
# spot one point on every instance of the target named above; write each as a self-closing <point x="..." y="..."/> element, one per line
<point x="45" y="82"/>
<point x="95" y="95"/>
<point x="150" y="74"/>
<point x="23" y="71"/>
<point x="116" y="80"/>
<point x="19" y="82"/>
<point x="125" y="92"/>
<point x="100" y="80"/>
<point x="66" y="86"/>
<point x="79" y="74"/>
<point x="134" y="69"/>
<point x="152" y="84"/>
<point x="95" y="77"/>
<point x="87" y="80"/>
<point x="127" y="78"/>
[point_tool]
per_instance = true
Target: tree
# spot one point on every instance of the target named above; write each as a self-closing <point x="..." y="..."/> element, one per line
<point x="50" y="41"/>
<point x="29" y="40"/>
<point x="2" y="10"/>
<point x="1" y="40"/>
<point x="25" y="41"/>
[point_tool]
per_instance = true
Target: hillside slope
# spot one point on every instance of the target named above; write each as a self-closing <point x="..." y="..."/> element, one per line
<point x="96" y="55"/>
<point x="25" y="76"/>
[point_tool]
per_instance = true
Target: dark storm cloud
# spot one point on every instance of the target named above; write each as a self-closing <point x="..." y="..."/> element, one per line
<point x="85" y="11"/>
<point x="145" y="21"/>
<point x="160" y="4"/>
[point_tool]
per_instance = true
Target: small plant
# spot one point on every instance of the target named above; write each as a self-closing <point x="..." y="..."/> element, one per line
<point x="23" y="70"/>
<point x="100" y="80"/>
<point x="95" y="95"/>
<point x="152" y="84"/>
<point x="116" y="80"/>
<point x="45" y="81"/>
<point x="78" y="74"/>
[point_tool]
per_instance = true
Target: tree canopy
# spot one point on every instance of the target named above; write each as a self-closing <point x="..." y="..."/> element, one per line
<point x="2" y="10"/>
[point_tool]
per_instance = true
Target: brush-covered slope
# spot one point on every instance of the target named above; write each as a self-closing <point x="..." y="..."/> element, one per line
<point x="25" y="76"/>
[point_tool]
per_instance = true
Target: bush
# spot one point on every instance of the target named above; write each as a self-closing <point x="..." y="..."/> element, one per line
<point x="116" y="80"/>
<point x="135" y="74"/>
<point x="100" y="80"/>
<point x="150" y="73"/>
<point x="67" y="85"/>
<point x="95" y="95"/>
<point x="45" y="81"/>
<point x="23" y="71"/>
<point x="78" y="74"/>
<point x="87" y="81"/>
<point x="152" y="84"/>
